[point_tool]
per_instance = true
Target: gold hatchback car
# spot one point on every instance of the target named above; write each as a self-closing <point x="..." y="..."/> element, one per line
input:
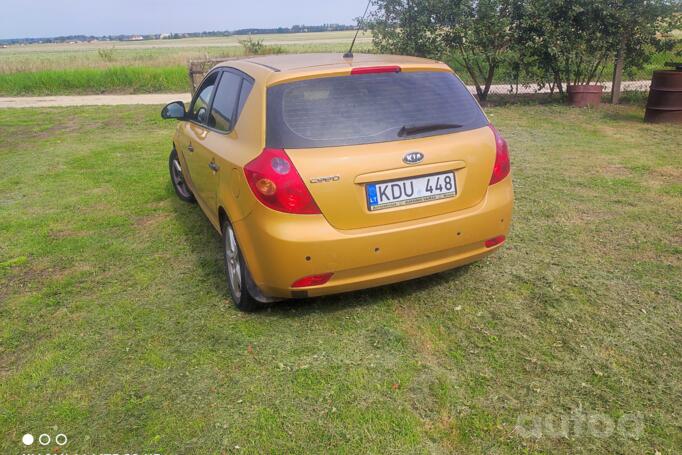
<point x="327" y="174"/>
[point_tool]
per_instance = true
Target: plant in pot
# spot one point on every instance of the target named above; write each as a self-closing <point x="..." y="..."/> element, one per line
<point x="572" y="41"/>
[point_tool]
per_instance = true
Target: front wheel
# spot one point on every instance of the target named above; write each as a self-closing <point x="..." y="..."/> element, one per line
<point x="178" y="179"/>
<point x="236" y="271"/>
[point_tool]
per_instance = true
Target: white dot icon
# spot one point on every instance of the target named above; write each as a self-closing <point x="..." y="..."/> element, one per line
<point x="27" y="439"/>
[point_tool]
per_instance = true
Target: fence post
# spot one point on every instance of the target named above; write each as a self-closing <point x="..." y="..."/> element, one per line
<point x="618" y="74"/>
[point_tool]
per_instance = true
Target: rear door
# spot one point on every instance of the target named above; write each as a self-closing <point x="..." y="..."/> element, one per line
<point x="219" y="138"/>
<point x="382" y="148"/>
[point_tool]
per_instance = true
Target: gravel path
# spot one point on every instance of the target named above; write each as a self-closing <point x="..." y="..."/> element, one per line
<point x="163" y="98"/>
<point x="91" y="100"/>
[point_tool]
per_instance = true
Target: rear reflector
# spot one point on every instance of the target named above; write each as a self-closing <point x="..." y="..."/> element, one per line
<point x="494" y="241"/>
<point x="375" y="69"/>
<point x="312" y="280"/>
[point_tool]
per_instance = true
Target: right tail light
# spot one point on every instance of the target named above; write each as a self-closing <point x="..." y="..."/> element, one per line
<point x="502" y="165"/>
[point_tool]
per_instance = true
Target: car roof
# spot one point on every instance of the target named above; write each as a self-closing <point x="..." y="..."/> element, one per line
<point x="293" y="62"/>
<point x="280" y="67"/>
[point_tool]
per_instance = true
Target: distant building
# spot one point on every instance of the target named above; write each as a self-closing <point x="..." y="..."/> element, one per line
<point x="136" y="38"/>
<point x="164" y="36"/>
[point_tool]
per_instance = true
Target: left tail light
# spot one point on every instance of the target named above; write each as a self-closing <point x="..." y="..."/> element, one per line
<point x="502" y="166"/>
<point x="277" y="184"/>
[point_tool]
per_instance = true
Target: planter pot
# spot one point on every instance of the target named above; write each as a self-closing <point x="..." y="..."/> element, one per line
<point x="584" y="95"/>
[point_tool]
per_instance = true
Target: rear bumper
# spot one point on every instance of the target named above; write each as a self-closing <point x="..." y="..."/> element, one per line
<point x="280" y="248"/>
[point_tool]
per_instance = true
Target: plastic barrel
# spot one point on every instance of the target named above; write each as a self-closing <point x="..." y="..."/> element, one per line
<point x="665" y="97"/>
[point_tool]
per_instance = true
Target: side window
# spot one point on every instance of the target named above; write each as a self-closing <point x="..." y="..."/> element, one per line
<point x="200" y="106"/>
<point x="246" y="89"/>
<point x="223" y="109"/>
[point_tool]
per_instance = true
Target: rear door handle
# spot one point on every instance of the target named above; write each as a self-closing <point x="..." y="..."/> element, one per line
<point x="190" y="148"/>
<point x="214" y="166"/>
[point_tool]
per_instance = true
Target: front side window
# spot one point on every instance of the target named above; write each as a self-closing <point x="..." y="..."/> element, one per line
<point x="200" y="107"/>
<point x="368" y="108"/>
<point x="223" y="112"/>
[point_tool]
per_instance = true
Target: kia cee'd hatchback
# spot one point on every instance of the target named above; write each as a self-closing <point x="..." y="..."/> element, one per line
<point x="327" y="174"/>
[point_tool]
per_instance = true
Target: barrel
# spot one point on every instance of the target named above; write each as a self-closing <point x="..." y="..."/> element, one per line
<point x="665" y="97"/>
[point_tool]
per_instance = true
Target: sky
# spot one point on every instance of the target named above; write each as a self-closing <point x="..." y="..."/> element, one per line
<point x="47" y="18"/>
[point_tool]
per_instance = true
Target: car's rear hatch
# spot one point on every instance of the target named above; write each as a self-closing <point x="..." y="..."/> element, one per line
<point x="361" y="142"/>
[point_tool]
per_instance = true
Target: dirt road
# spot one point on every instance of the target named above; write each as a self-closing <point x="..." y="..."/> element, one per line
<point x="91" y="100"/>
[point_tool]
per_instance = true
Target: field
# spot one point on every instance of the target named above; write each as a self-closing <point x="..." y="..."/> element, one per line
<point x="160" y="66"/>
<point x="116" y="331"/>
<point x="163" y="53"/>
<point x="139" y="66"/>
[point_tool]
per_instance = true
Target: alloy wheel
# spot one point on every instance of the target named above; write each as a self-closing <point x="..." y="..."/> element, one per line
<point x="234" y="268"/>
<point x="179" y="180"/>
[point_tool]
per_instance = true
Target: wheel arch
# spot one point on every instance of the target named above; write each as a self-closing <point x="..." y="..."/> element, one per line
<point x="222" y="217"/>
<point x="231" y="197"/>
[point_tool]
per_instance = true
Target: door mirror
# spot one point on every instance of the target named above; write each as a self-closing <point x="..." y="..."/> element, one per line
<point x="175" y="110"/>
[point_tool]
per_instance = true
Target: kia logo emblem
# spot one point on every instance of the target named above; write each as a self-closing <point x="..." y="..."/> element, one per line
<point x="413" y="158"/>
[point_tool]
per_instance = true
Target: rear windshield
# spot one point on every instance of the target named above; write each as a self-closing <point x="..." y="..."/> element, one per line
<point x="368" y="108"/>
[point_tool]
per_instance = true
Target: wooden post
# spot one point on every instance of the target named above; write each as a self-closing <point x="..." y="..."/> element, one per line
<point x="199" y="68"/>
<point x="618" y="73"/>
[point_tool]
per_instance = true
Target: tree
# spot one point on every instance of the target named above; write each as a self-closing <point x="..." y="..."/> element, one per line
<point x="570" y="40"/>
<point x="405" y="27"/>
<point x="481" y="33"/>
<point x="550" y="42"/>
<point x="476" y="32"/>
<point x="641" y="25"/>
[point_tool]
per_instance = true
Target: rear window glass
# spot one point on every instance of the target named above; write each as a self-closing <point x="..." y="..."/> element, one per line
<point x="368" y="108"/>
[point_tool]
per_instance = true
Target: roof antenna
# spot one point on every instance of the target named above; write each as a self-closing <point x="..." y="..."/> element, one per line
<point x="349" y="54"/>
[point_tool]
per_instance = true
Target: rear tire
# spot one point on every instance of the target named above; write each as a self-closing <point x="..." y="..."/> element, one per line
<point x="236" y="272"/>
<point x="178" y="179"/>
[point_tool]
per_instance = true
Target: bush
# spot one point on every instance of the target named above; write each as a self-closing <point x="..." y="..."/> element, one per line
<point x="257" y="47"/>
<point x="106" y="55"/>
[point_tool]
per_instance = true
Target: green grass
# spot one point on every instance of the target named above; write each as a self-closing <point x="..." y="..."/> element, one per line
<point x="137" y="75"/>
<point x="115" y="328"/>
<point x="96" y="80"/>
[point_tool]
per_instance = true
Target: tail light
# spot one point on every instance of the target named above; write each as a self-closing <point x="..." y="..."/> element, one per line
<point x="502" y="166"/>
<point x="276" y="183"/>
<point x="312" y="280"/>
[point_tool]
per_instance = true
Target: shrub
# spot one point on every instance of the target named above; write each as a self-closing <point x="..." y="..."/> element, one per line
<point x="106" y="55"/>
<point x="257" y="47"/>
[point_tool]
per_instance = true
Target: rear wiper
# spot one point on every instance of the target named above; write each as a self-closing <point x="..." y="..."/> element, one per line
<point x="409" y="130"/>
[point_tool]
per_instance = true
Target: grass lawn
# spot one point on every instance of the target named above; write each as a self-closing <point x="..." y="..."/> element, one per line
<point x="116" y="329"/>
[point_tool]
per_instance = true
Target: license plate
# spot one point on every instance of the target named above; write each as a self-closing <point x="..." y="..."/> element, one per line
<point x="414" y="190"/>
